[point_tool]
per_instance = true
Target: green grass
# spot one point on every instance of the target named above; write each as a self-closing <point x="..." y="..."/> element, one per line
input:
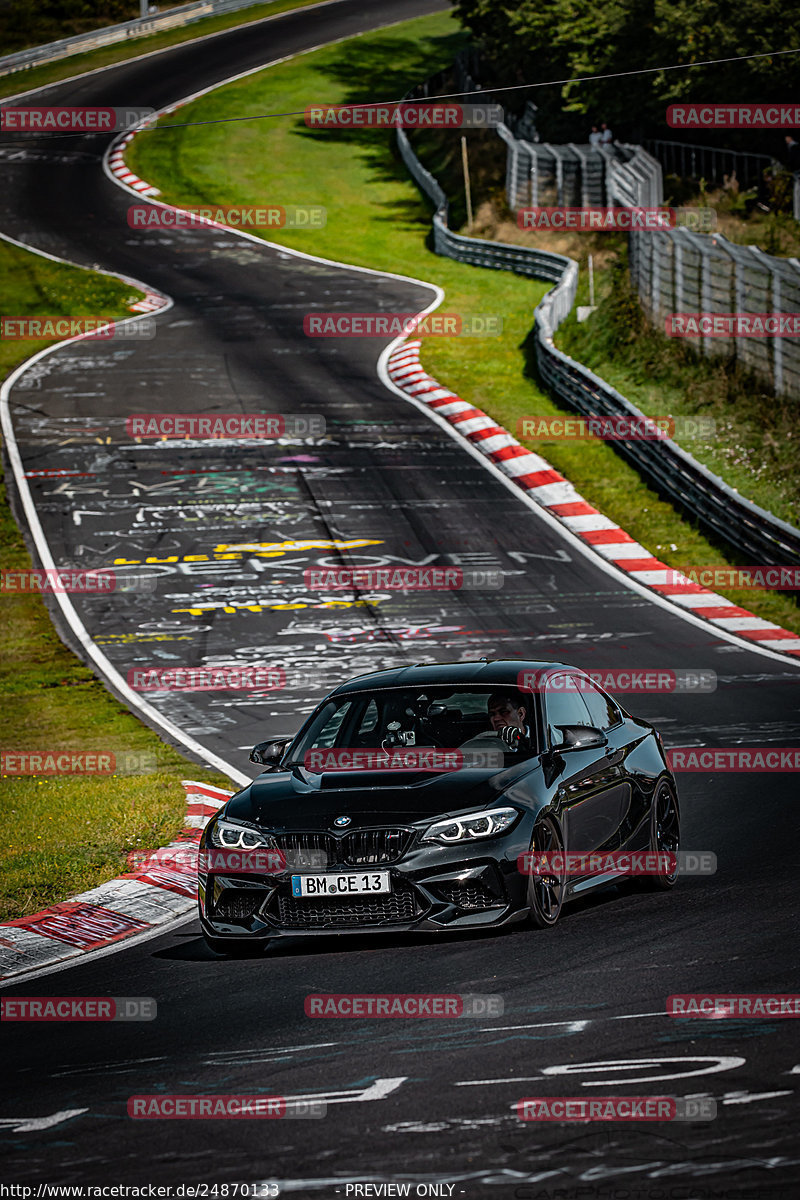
<point x="32" y="285"/>
<point x="37" y="77"/>
<point x="376" y="217"/>
<point x="755" y="448"/>
<point x="65" y="834"/>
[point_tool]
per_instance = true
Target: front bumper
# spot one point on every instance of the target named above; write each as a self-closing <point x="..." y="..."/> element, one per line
<point x="433" y="889"/>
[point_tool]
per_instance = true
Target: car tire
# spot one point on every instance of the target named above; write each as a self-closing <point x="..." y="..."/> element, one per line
<point x="233" y="948"/>
<point x="665" y="835"/>
<point x="546" y="892"/>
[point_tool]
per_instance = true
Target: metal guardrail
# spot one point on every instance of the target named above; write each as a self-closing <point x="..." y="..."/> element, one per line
<point x="109" y="35"/>
<point x="756" y="533"/>
<point x="476" y="252"/>
<point x="672" y="471"/>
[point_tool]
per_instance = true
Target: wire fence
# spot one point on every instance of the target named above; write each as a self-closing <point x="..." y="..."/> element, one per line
<point x="674" y="271"/>
<point x="677" y="271"/>
<point x="542" y="174"/>
<point x="676" y="474"/>
<point x="712" y="163"/>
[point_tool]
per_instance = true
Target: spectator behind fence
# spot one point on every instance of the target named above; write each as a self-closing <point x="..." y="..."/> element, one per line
<point x="606" y="136"/>
<point x="793" y="153"/>
<point x="595" y="137"/>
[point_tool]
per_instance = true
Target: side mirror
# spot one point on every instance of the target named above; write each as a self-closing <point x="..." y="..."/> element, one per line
<point x="581" y="737"/>
<point x="269" y="754"/>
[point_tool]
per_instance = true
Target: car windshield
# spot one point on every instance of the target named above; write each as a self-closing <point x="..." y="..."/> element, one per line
<point x="439" y="716"/>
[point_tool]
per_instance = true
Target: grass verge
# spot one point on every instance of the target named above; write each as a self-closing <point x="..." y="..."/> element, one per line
<point x="377" y="218"/>
<point x="66" y="834"/>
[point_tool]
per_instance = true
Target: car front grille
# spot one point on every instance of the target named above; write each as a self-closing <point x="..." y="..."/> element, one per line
<point x="469" y="894"/>
<point x="398" y="906"/>
<point x="361" y="848"/>
<point x="304" y="849"/>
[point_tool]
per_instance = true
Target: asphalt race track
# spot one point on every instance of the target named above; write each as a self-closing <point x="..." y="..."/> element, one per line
<point x="233" y="526"/>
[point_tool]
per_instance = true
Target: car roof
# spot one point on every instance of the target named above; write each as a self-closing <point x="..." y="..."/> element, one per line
<point x="484" y="672"/>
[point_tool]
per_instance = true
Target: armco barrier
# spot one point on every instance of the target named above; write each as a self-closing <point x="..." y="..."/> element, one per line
<point x="110" y="35"/>
<point x="477" y="252"/>
<point x="758" y="534"/>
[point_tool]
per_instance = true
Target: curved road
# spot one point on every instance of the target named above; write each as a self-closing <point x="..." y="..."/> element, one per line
<point x="421" y="1104"/>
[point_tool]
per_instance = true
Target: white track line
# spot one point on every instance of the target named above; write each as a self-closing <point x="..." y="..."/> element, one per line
<point x="107" y="671"/>
<point x="104" y="666"/>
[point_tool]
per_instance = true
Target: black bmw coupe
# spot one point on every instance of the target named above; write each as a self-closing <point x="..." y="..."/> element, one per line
<point x="415" y="799"/>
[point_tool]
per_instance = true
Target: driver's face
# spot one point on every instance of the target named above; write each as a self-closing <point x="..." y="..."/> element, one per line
<point x="502" y="714"/>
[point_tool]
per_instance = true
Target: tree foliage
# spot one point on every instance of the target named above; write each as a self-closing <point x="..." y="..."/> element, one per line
<point x="26" y="23"/>
<point x="537" y="41"/>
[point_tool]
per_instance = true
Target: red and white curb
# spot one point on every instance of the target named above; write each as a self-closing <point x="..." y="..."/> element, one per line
<point x="115" y="164"/>
<point x="151" y="303"/>
<point x="134" y="904"/>
<point x="535" y="476"/>
<point x="117" y="167"/>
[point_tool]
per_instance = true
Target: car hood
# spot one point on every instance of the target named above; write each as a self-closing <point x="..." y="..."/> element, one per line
<point x="297" y="799"/>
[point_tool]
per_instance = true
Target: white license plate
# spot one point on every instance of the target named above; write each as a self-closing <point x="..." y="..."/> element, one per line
<point x="350" y="884"/>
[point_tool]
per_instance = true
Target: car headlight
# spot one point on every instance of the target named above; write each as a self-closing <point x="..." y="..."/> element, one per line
<point x="468" y="829"/>
<point x="238" y="837"/>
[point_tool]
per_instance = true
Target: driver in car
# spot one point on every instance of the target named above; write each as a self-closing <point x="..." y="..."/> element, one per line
<point x="508" y="718"/>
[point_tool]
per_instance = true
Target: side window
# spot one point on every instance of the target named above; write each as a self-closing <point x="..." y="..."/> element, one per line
<point x="602" y="709"/>
<point x="326" y="736"/>
<point x="564" y="706"/>
<point x="369" y="719"/>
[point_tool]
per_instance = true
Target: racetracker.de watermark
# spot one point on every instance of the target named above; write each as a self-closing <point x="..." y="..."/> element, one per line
<point x="616" y="1108"/>
<point x="734" y="116"/>
<point x="401" y="579"/>
<point x="412" y="114"/>
<point x="588" y="219"/>
<point x="403" y="758"/>
<point x="78" y="1008"/>
<point x="619" y="862"/>
<point x="734" y="758"/>
<point x="727" y="325"/>
<point x="71" y="119"/>
<point x="200" y="426"/>
<point x="188" y="860"/>
<point x="73" y="581"/>
<point x="218" y="1107"/>
<point x="775" y="578"/>
<point x="239" y="216"/>
<point x="221" y="678"/>
<point x="395" y="324"/>
<point x="100" y="329"/>
<point x="724" y="1004"/>
<point x="398" y="1004"/>
<point x="620" y="680"/>
<point x="77" y="762"/>
<point x="613" y="428"/>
